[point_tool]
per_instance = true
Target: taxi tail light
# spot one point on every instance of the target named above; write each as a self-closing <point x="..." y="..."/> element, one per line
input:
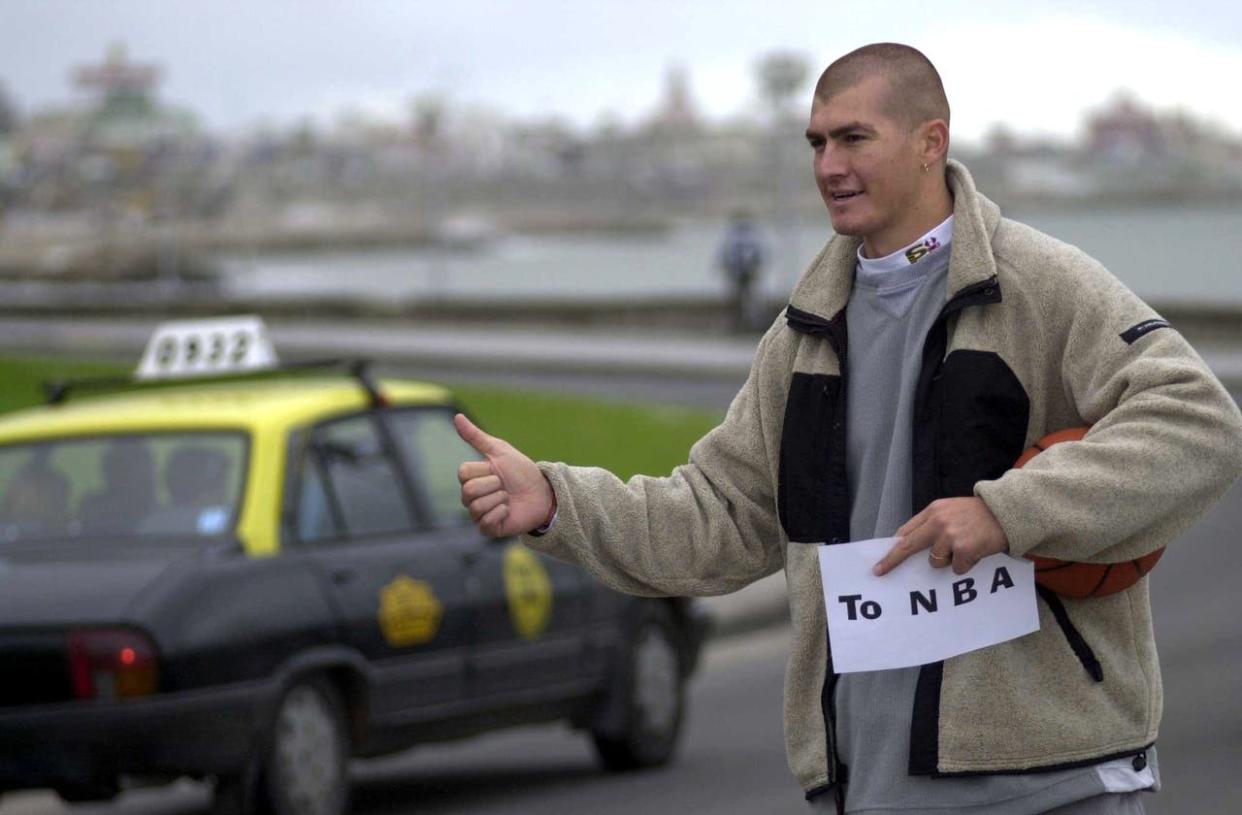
<point x="111" y="664"/>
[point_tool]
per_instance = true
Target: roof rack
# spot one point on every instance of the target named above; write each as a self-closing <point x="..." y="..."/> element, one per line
<point x="57" y="391"/>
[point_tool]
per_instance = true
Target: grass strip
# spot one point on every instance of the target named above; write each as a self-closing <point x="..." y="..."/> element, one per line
<point x="623" y="437"/>
<point x="626" y="438"/>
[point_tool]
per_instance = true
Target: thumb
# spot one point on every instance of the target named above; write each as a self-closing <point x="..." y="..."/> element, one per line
<point x="473" y="436"/>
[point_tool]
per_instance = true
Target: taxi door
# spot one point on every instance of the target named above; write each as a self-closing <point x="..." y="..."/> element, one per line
<point x="530" y="610"/>
<point x="400" y="594"/>
<point x="532" y="616"/>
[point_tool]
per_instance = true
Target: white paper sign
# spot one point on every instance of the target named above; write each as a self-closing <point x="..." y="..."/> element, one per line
<point x="916" y="614"/>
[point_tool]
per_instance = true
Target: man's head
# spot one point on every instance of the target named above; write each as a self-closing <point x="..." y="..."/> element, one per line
<point x="915" y="93"/>
<point x="880" y="131"/>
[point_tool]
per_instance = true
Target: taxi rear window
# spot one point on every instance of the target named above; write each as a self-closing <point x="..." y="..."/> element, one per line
<point x="183" y="485"/>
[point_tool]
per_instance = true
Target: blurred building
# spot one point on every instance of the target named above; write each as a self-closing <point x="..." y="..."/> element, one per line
<point x="676" y="111"/>
<point x="1160" y="153"/>
<point x="1125" y="132"/>
<point x="119" y="152"/>
<point x="121" y="158"/>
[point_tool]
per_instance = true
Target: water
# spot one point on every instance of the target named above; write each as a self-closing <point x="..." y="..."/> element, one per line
<point x="1166" y="254"/>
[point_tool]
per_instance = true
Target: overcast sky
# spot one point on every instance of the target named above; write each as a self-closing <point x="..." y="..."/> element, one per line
<point x="1033" y="65"/>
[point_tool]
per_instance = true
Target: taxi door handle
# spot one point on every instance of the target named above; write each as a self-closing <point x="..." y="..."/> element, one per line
<point x="343" y="576"/>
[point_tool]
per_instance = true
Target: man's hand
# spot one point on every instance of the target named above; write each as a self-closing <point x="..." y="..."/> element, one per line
<point x="506" y="494"/>
<point x="960" y="531"/>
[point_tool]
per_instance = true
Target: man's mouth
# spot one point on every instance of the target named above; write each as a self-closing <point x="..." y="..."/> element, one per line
<point x="845" y="196"/>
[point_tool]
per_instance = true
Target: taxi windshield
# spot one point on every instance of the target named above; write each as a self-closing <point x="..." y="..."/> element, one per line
<point x="182" y="484"/>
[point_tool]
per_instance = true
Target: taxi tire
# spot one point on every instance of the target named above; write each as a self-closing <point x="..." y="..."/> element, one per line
<point x="650" y="688"/>
<point x="232" y="795"/>
<point x="305" y="768"/>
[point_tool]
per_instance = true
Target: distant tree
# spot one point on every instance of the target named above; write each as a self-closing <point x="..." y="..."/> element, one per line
<point x="427" y="115"/>
<point x="8" y="112"/>
<point x="304" y="139"/>
<point x="781" y="74"/>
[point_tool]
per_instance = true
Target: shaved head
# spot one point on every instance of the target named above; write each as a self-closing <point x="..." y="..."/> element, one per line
<point x="915" y="92"/>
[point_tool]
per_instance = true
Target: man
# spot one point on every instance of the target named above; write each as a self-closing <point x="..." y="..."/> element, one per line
<point x="741" y="258"/>
<point x="928" y="344"/>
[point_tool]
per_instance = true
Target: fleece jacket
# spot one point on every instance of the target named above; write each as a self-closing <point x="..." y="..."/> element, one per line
<point x="1035" y="337"/>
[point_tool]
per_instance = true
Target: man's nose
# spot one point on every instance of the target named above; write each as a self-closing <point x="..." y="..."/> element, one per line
<point x="829" y="163"/>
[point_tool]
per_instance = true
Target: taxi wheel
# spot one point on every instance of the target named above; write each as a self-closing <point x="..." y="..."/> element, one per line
<point x="651" y="687"/>
<point x="305" y="769"/>
<point x="232" y="796"/>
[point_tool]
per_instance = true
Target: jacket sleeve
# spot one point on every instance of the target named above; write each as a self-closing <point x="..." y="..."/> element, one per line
<point x="708" y="528"/>
<point x="1165" y="441"/>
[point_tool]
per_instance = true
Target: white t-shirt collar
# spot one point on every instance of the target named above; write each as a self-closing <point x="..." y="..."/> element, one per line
<point x="934" y="241"/>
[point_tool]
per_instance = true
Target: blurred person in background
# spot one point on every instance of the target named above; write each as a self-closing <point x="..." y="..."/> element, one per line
<point x="128" y="493"/>
<point x="741" y="256"/>
<point x="929" y="343"/>
<point x="196" y="481"/>
<point x="36" y="502"/>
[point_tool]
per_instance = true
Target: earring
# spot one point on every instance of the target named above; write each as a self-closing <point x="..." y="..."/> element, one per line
<point x="925" y="167"/>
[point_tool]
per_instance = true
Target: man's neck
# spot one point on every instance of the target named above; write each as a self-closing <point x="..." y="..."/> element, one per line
<point x="931" y="209"/>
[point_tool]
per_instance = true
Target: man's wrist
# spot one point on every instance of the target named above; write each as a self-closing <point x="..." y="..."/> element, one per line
<point x="544" y="528"/>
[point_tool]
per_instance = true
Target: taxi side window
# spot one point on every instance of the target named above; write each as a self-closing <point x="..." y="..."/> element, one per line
<point x="433" y="451"/>
<point x="315" y="520"/>
<point x="359" y="486"/>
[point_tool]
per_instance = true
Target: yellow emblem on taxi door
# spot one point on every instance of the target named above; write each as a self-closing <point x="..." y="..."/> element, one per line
<point x="409" y="612"/>
<point x="529" y="591"/>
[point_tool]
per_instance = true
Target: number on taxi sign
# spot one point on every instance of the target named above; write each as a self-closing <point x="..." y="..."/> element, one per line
<point x="183" y="348"/>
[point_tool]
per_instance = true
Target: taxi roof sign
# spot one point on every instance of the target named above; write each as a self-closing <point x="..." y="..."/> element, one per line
<point x="188" y="348"/>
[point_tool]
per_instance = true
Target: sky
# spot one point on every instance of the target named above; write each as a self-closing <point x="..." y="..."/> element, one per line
<point x="1037" y="67"/>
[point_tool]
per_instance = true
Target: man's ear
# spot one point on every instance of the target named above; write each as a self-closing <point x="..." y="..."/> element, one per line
<point x="934" y="140"/>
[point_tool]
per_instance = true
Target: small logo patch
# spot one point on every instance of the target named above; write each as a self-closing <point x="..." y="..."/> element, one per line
<point x="409" y="612"/>
<point x="920" y="250"/>
<point x="1134" y="332"/>
<point x="528" y="589"/>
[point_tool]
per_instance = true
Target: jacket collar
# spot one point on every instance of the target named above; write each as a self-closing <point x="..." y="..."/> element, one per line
<point x="825" y="287"/>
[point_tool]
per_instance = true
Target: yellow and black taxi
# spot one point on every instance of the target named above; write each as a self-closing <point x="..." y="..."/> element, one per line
<point x="251" y="579"/>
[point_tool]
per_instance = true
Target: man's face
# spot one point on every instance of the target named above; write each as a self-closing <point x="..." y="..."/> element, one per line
<point x="867" y="167"/>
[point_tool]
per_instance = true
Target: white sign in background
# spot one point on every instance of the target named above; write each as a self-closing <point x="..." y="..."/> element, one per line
<point x="916" y="614"/>
<point x="186" y="348"/>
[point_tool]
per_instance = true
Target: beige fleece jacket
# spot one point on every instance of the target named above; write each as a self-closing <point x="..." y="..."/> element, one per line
<point x="1166" y="442"/>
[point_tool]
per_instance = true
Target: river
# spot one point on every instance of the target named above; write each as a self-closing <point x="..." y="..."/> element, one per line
<point x="1166" y="254"/>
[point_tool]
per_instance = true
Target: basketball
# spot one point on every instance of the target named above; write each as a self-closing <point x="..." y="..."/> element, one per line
<point x="1082" y="580"/>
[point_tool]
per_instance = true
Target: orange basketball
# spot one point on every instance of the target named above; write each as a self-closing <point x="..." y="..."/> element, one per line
<point x="1080" y="580"/>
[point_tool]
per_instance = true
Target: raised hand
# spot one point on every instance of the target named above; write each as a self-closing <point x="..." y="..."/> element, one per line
<point x="506" y="493"/>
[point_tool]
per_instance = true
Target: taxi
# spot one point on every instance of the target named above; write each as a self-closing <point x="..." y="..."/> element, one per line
<point x="251" y="579"/>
